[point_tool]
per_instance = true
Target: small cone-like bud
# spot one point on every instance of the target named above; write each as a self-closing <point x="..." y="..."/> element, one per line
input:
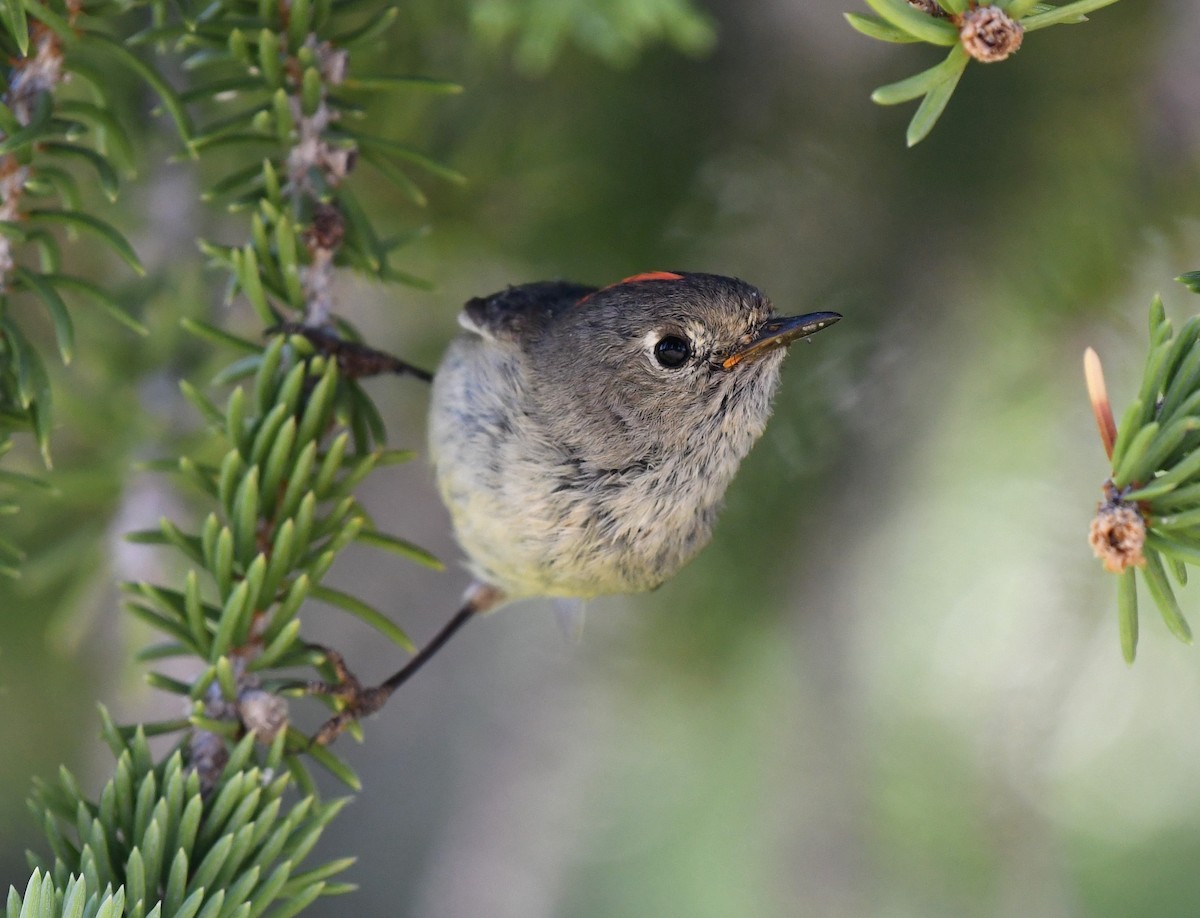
<point x="989" y="34"/>
<point x="1117" y="535"/>
<point x="263" y="714"/>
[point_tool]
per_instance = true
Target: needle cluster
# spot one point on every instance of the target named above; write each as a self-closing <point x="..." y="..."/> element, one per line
<point x="986" y="32"/>
<point x="1149" y="518"/>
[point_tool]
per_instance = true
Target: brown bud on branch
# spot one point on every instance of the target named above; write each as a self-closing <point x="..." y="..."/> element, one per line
<point x="989" y="34"/>
<point x="1117" y="535"/>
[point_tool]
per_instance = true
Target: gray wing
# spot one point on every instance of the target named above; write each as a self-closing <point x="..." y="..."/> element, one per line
<point x="517" y="311"/>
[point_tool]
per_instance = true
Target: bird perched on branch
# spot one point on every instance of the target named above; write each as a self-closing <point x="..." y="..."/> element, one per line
<point x="583" y="438"/>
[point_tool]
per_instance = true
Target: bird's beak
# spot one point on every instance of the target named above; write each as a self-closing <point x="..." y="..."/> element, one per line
<point x="780" y="333"/>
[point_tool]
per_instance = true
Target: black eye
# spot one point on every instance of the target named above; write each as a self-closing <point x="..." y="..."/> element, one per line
<point x="671" y="351"/>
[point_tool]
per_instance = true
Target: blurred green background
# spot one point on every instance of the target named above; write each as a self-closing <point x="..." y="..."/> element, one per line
<point x="892" y="686"/>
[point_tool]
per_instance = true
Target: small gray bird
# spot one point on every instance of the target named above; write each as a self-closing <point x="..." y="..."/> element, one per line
<point x="583" y="438"/>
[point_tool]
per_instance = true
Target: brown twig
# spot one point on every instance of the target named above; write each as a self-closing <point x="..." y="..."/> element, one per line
<point x="355" y="360"/>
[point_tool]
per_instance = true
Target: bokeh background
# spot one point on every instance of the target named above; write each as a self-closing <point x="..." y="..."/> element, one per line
<point x="892" y="686"/>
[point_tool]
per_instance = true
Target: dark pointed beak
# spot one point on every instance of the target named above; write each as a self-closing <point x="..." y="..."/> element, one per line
<point x="780" y="333"/>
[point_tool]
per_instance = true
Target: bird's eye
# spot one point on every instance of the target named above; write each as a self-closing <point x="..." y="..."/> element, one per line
<point x="671" y="351"/>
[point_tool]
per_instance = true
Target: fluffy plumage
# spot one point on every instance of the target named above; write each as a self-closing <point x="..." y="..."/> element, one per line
<point x="573" y="462"/>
